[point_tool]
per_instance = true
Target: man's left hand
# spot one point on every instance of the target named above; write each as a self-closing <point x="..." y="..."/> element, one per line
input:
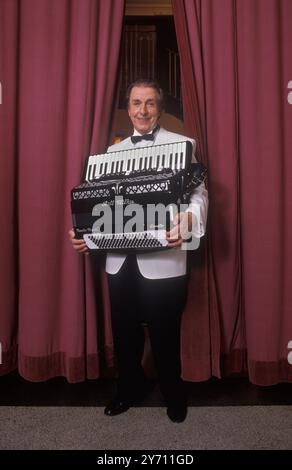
<point x="181" y="231"/>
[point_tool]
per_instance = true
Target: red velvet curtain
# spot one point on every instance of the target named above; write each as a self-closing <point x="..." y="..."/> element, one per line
<point x="59" y="63"/>
<point x="236" y="66"/>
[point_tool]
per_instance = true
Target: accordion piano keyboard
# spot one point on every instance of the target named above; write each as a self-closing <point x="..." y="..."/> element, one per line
<point x="156" y="157"/>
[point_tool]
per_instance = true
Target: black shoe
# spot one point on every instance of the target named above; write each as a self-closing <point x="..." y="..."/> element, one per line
<point x="117" y="406"/>
<point x="177" y="412"/>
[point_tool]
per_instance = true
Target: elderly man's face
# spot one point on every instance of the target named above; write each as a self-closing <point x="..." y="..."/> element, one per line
<point x="143" y="108"/>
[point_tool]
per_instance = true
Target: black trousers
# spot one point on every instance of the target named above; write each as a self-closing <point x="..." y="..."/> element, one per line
<point x="159" y="303"/>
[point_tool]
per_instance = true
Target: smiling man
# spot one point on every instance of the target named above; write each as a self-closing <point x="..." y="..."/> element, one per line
<point x="144" y="108"/>
<point x="150" y="287"/>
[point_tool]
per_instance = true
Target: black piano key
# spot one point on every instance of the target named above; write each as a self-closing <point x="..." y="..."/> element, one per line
<point x="89" y="172"/>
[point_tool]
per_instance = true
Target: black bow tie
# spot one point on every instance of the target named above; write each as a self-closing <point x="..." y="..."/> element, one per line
<point x="138" y="138"/>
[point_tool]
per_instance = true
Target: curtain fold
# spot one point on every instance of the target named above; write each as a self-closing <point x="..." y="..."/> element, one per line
<point x="9" y="27"/>
<point x="59" y="76"/>
<point x="235" y="70"/>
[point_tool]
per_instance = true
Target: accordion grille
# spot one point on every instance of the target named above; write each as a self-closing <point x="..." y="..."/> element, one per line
<point x="133" y="240"/>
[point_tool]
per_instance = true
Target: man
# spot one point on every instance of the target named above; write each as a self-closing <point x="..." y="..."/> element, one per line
<point x="151" y="287"/>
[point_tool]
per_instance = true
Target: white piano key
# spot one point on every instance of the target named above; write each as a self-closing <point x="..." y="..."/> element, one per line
<point x="164" y="152"/>
<point x="178" y="166"/>
<point x="133" y="164"/>
<point x="88" y="172"/>
<point x="94" y="159"/>
<point x="117" y="161"/>
<point x="100" y="167"/>
<point x="133" y="161"/>
<point x="170" y="158"/>
<point x="123" y="158"/>
<point x="141" y="158"/>
<point x="126" y="163"/>
<point x="91" y="162"/>
<point x="120" y="167"/>
<point x="109" y="160"/>
<point x="174" y="151"/>
<point x="95" y="164"/>
<point x="105" y="161"/>
<point x="109" y="163"/>
<point x="93" y="171"/>
<point x="150" y="159"/>
<point x="161" y="157"/>
<point x="143" y="155"/>
<point x="129" y="160"/>
<point x="147" y="154"/>
<point x="184" y="145"/>
<point x="114" y="163"/>
<point x="158" y="161"/>
<point x="155" y="153"/>
<point x="176" y="159"/>
<point x="136" y="158"/>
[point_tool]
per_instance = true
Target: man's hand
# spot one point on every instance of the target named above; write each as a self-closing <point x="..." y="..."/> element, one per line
<point x="78" y="245"/>
<point x="181" y="231"/>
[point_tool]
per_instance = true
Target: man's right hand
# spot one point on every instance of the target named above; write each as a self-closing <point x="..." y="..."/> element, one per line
<point x="78" y="245"/>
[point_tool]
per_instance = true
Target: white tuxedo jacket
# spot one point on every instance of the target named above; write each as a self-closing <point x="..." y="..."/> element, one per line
<point x="172" y="262"/>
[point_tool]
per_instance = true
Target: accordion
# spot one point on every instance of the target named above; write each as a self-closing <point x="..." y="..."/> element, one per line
<point x="127" y="198"/>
